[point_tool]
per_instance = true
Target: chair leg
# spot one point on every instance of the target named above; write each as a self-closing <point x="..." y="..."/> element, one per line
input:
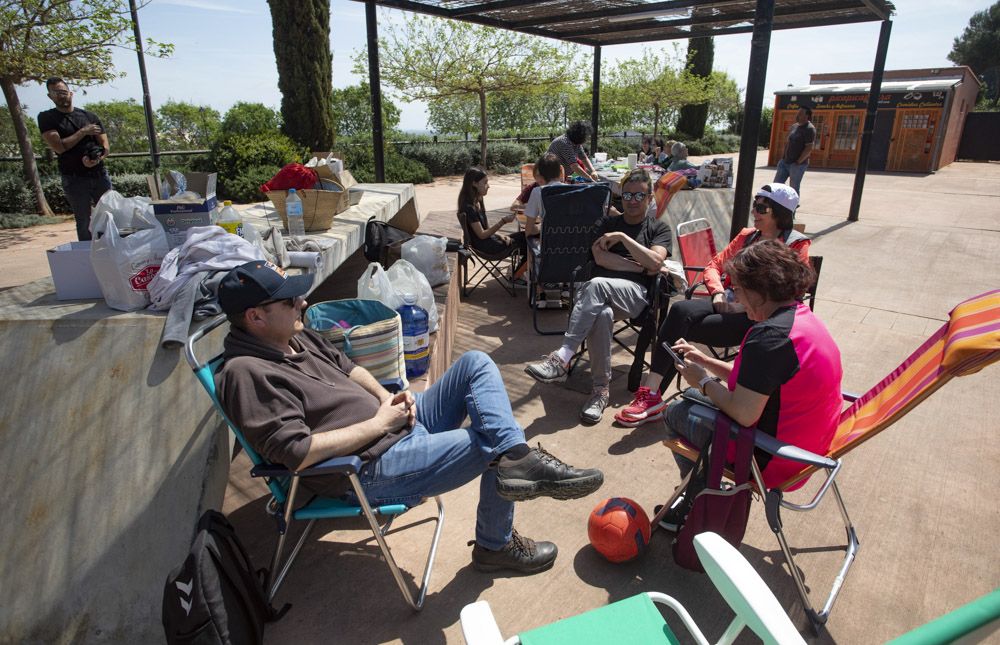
<point x="418" y="602"/>
<point x="285" y="522"/>
<point x="774" y="503"/>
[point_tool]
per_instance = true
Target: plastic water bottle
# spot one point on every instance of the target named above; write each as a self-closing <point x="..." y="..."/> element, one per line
<point x="230" y="220"/>
<point x="416" y="339"/>
<point x="293" y="213"/>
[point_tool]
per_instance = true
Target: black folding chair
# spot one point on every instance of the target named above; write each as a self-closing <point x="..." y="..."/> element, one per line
<point x="500" y="267"/>
<point x="568" y="231"/>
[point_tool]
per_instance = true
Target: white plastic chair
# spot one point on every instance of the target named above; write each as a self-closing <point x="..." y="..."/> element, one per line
<point x="748" y="596"/>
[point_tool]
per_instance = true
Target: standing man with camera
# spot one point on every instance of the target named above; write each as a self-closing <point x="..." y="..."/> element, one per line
<point x="78" y="137"/>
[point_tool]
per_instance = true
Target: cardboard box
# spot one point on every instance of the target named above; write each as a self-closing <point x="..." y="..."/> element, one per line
<point x="177" y="217"/>
<point x="203" y="183"/>
<point x="72" y="272"/>
<point x="344" y="178"/>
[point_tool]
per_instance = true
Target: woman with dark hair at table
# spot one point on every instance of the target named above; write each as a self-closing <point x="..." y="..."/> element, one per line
<point x="647" y="154"/>
<point x="786" y="376"/>
<point x="716" y="321"/>
<point x="483" y="237"/>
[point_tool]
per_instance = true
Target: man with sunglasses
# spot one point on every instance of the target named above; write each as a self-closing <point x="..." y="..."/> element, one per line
<point x="628" y="252"/>
<point x="300" y="401"/>
<point x="78" y="138"/>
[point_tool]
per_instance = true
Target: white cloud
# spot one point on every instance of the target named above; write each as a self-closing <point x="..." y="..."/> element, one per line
<point x="206" y="5"/>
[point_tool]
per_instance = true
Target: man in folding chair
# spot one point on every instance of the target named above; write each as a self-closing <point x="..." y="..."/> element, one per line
<point x="628" y="253"/>
<point x="300" y="401"/>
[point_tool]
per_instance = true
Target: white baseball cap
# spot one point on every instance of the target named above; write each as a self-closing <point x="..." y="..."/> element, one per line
<point x="781" y="194"/>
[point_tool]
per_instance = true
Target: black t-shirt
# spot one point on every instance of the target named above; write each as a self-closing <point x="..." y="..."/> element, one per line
<point x="798" y="138"/>
<point x="649" y="232"/>
<point x="67" y="123"/>
<point x="491" y="246"/>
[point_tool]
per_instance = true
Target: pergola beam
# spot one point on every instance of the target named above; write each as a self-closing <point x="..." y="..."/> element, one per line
<point x="870" y="116"/>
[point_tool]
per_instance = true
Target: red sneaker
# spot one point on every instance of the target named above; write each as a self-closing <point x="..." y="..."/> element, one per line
<point x="645" y="407"/>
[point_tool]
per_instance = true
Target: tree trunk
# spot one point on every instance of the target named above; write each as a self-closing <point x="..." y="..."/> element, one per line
<point x="656" y="123"/>
<point x="482" y="129"/>
<point x="301" y="34"/>
<point x="24" y="143"/>
<point x="700" y="58"/>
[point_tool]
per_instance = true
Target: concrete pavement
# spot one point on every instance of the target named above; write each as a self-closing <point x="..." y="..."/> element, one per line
<point x="921" y="493"/>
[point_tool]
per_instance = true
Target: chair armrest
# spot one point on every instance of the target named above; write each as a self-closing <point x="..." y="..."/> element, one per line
<point x="850" y="397"/>
<point x="692" y="288"/>
<point x="342" y="465"/>
<point x="766" y="442"/>
<point x="479" y="627"/>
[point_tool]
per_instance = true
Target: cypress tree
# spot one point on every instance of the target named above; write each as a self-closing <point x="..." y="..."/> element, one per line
<point x="301" y="34"/>
<point x="700" y="57"/>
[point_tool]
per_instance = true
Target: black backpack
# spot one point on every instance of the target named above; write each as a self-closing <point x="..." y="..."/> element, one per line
<point x="216" y="597"/>
<point x="378" y="237"/>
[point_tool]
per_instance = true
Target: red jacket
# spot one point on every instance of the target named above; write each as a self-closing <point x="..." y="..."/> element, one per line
<point x="713" y="272"/>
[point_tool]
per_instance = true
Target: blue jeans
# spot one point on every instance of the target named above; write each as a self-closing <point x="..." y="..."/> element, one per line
<point x="82" y="193"/>
<point x="439" y="455"/>
<point x="692" y="429"/>
<point x="793" y="172"/>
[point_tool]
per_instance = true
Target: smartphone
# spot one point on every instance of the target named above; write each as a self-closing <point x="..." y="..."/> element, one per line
<point x="678" y="359"/>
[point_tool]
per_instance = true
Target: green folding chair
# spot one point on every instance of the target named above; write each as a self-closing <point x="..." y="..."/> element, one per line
<point x="284" y="485"/>
<point x="638" y="620"/>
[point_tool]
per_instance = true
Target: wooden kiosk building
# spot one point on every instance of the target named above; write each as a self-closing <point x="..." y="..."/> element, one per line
<point x="921" y="113"/>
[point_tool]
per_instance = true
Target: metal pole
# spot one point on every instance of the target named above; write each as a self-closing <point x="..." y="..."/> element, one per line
<point x="760" y="46"/>
<point x="375" y="85"/>
<point x="870" y="116"/>
<point x="595" y="105"/>
<point x="147" y="102"/>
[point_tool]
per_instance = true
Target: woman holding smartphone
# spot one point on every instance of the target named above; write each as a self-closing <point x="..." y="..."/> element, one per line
<point x="786" y="377"/>
<point x="483" y="237"/>
<point x="717" y="321"/>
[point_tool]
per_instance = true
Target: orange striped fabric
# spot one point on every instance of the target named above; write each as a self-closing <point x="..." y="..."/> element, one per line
<point x="967" y="343"/>
<point x="665" y="188"/>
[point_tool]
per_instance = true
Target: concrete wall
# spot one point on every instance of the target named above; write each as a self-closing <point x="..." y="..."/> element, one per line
<point x="110" y="452"/>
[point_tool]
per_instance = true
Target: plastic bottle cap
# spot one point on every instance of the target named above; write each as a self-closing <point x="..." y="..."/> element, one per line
<point x="291" y="191"/>
<point x="227" y="203"/>
<point x="409" y="298"/>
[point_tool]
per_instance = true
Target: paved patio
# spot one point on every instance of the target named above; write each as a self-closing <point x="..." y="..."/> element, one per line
<point x="921" y="494"/>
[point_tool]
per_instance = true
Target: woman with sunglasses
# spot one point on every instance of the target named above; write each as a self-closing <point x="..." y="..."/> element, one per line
<point x="718" y="321"/>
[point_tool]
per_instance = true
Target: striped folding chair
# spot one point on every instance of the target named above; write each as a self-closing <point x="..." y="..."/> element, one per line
<point x="967" y="343"/>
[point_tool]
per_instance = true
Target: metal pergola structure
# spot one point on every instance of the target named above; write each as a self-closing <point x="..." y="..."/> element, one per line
<point x="596" y="23"/>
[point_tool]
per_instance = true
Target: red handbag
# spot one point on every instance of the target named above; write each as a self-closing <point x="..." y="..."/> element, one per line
<point x="717" y="507"/>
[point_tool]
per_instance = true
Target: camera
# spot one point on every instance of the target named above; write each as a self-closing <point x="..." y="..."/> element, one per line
<point x="93" y="152"/>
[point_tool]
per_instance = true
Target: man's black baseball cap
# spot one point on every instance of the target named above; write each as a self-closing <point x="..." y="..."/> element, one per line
<point x="255" y="282"/>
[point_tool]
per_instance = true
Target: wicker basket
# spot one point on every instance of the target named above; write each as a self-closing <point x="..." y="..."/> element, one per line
<point x="318" y="206"/>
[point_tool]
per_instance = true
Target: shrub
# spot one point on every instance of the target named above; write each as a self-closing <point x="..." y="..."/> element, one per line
<point x="398" y="169"/>
<point x="245" y="187"/>
<point x="440" y="159"/>
<point x="130" y="185"/>
<point x="23" y="220"/>
<point x="54" y="195"/>
<point x="506" y="153"/>
<point x="237" y="154"/>
<point x="617" y="146"/>
<point x="15" y="196"/>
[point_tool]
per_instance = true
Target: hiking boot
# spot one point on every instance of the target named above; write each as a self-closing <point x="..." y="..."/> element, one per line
<point x="646" y="406"/>
<point x="539" y="474"/>
<point x="550" y="370"/>
<point x="674" y="518"/>
<point x="520" y="554"/>
<point x="593" y="409"/>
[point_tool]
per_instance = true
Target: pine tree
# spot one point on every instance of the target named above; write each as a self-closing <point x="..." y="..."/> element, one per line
<point x="700" y="57"/>
<point x="301" y="34"/>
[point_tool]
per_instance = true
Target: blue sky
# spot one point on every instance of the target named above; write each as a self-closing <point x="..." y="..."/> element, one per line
<point x="223" y="52"/>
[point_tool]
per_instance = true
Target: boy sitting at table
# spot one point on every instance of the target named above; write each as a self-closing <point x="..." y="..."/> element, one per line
<point x="548" y="172"/>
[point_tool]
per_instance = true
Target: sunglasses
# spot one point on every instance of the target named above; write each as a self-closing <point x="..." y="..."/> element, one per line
<point x="761" y="207"/>
<point x="288" y="302"/>
<point x="633" y="197"/>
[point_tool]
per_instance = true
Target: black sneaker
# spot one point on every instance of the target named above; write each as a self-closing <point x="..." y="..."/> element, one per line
<point x="674" y="518"/>
<point x="520" y="554"/>
<point x="540" y="474"/>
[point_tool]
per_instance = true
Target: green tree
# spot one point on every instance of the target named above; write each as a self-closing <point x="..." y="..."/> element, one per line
<point x="8" y="138"/>
<point x="430" y="59"/>
<point x="301" y="34"/>
<point x="250" y="118"/>
<point x="186" y="126"/>
<point x="723" y="97"/>
<point x="700" y="57"/>
<point x="352" y="111"/>
<point x="125" y="123"/>
<point x="73" y="40"/>
<point x="979" y="48"/>
<point x="654" y="87"/>
<point x="454" y="115"/>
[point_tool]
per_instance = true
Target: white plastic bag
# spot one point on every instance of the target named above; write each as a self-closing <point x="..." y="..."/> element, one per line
<point x="125" y="266"/>
<point x="405" y="278"/>
<point x="374" y="285"/>
<point x="130" y="213"/>
<point x="427" y="254"/>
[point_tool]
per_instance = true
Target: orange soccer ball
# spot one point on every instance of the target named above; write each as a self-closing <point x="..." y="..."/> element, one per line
<point x="618" y="529"/>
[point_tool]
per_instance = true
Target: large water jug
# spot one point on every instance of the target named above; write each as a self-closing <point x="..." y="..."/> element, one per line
<point x="416" y="337"/>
